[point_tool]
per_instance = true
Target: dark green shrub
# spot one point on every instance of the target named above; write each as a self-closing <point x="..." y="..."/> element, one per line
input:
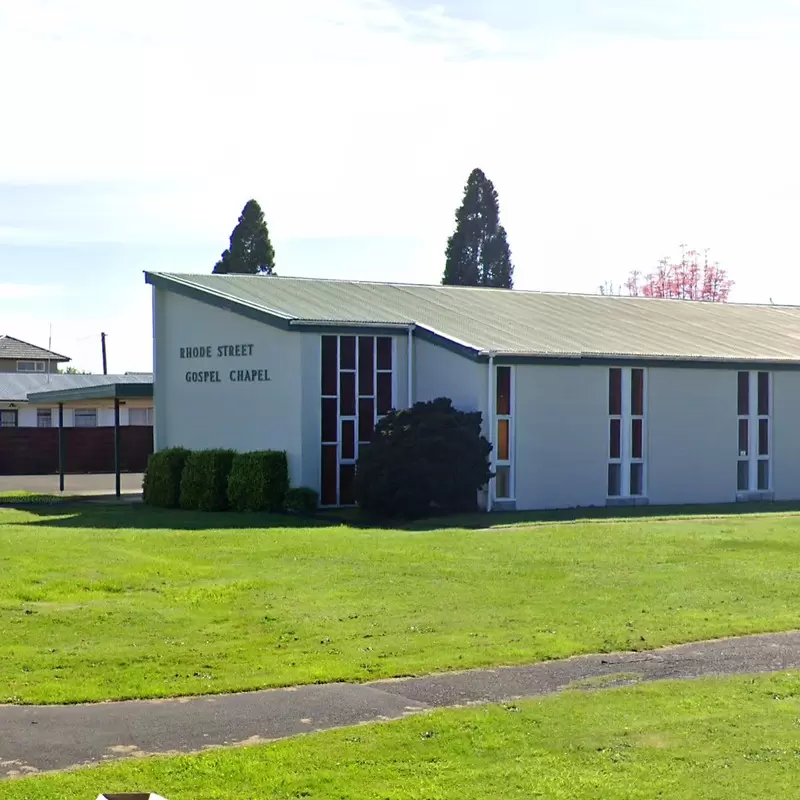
<point x="204" y="485"/>
<point x="162" y="479"/>
<point x="428" y="459"/>
<point x="259" y="481"/>
<point x="302" y="500"/>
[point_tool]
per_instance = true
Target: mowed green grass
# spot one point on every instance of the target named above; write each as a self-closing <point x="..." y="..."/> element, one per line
<point x="697" y="740"/>
<point x="117" y="602"/>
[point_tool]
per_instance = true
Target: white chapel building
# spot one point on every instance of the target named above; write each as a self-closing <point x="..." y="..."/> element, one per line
<point x="587" y="400"/>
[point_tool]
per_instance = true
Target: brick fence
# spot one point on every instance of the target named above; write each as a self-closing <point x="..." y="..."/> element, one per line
<point x="34" y="451"/>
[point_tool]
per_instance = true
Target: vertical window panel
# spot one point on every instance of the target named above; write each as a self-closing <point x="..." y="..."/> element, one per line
<point x="384" y="393"/>
<point x="743" y="476"/>
<point x="763" y="475"/>
<point x="366" y="419"/>
<point x="637" y="446"/>
<point x="347" y="352"/>
<point x="614" y="482"/>
<point x="502" y="483"/>
<point x="347" y="494"/>
<point x="329" y="365"/>
<point x="347" y="394"/>
<point x="744" y="437"/>
<point x="615" y="439"/>
<point x="763" y="393"/>
<point x="637" y="479"/>
<point x="328" y="477"/>
<point x="503" y="391"/>
<point x="744" y="394"/>
<point x="503" y="440"/>
<point x="366" y="366"/>
<point x="329" y="419"/>
<point x="637" y="392"/>
<point x="615" y="392"/>
<point x="348" y="439"/>
<point x="385" y="352"/>
<point x="763" y="437"/>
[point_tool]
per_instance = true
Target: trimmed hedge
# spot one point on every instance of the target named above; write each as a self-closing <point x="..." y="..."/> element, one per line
<point x="259" y="481"/>
<point x="204" y="485"/>
<point x="302" y="500"/>
<point x="162" y="479"/>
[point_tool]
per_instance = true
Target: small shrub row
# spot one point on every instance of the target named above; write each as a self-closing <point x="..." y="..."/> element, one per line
<point x="216" y="480"/>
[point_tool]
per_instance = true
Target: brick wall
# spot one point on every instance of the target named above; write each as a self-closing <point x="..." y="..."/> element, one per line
<point x="34" y="451"/>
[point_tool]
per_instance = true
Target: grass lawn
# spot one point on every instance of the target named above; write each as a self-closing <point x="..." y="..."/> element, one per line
<point x="717" y="738"/>
<point x="121" y="601"/>
<point x="27" y="498"/>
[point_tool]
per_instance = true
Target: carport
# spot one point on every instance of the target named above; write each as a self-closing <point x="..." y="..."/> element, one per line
<point x="117" y="393"/>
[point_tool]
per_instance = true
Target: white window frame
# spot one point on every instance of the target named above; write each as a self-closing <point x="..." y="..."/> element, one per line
<point x="84" y="413"/>
<point x="5" y="413"/>
<point x="36" y="366"/>
<point x="509" y="462"/>
<point x="40" y="415"/>
<point x="146" y="410"/>
<point x="754" y="419"/>
<point x="374" y="397"/>
<point x="626" y="419"/>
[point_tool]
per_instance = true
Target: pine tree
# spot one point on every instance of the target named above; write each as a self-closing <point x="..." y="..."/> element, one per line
<point x="477" y="252"/>
<point x="250" y="251"/>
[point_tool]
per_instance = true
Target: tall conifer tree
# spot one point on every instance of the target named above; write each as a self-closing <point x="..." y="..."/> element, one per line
<point x="250" y="251"/>
<point x="477" y="252"/>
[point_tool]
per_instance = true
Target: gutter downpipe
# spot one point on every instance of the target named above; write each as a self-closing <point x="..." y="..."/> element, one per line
<point x="410" y="365"/>
<point x="489" y="430"/>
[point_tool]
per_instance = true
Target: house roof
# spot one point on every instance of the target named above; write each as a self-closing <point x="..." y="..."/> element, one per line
<point x="515" y="323"/>
<point x="16" y="349"/>
<point x="19" y="388"/>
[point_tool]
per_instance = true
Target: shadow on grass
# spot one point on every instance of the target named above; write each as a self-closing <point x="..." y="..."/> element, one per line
<point x="85" y="514"/>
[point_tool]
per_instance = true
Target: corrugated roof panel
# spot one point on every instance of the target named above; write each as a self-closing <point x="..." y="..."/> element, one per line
<point x="529" y="323"/>
<point x="15" y="387"/>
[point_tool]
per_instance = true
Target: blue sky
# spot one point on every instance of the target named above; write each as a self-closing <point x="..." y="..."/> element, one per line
<point x="133" y="134"/>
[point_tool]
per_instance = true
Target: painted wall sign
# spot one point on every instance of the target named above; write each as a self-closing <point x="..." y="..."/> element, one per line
<point x="222" y="351"/>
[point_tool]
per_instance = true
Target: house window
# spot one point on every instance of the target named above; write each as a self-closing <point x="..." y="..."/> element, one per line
<point x="85" y="417"/>
<point x="754" y="432"/>
<point x="626" y="432"/>
<point x="140" y="416"/>
<point x="357" y="389"/>
<point x="44" y="417"/>
<point x="504" y="429"/>
<point x="30" y="366"/>
<point x="8" y="418"/>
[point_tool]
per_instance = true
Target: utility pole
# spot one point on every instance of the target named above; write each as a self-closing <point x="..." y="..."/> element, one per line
<point x="103" y="345"/>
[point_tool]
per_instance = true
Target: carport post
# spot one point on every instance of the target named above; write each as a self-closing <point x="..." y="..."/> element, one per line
<point x="61" y="447"/>
<point x="116" y="445"/>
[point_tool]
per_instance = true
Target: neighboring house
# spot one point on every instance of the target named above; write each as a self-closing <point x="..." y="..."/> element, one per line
<point x="19" y="410"/>
<point x="19" y="356"/>
<point x="587" y="400"/>
<point x="68" y="423"/>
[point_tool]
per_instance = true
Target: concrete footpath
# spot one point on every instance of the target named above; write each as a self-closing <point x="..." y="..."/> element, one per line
<point x="39" y="738"/>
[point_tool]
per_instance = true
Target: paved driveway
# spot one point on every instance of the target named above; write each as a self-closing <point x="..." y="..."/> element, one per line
<point x="73" y="484"/>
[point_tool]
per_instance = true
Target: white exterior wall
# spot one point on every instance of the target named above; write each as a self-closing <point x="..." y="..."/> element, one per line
<point x="265" y="415"/>
<point x="27" y="412"/>
<point x="691" y="430"/>
<point x="786" y="435"/>
<point x="439" y="372"/>
<point x="560" y="436"/>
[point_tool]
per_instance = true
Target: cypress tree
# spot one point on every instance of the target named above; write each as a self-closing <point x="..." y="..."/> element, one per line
<point x="250" y="251"/>
<point x="477" y="253"/>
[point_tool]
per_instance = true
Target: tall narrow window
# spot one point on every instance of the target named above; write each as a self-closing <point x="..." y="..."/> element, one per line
<point x="503" y="440"/>
<point x="626" y="432"/>
<point x="357" y="388"/>
<point x="754" y="404"/>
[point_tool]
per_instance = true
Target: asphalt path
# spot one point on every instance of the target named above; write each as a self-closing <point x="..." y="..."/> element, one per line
<point x="42" y="738"/>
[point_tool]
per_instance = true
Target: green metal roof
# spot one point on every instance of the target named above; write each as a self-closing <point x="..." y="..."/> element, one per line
<point x="515" y="323"/>
<point x="126" y="387"/>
